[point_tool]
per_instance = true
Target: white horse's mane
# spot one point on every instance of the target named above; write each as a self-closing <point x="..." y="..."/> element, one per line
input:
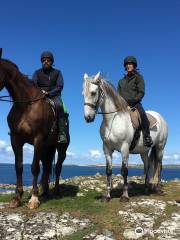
<point x="110" y="90"/>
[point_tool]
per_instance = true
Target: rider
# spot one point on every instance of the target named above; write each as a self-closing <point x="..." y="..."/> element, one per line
<point x="50" y="81"/>
<point x="132" y="88"/>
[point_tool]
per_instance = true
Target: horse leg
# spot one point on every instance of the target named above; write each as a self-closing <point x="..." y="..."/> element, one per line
<point x="124" y="171"/>
<point x="47" y="159"/>
<point x="61" y="157"/>
<point x="18" y="152"/>
<point x="108" y="155"/>
<point x="35" y="169"/>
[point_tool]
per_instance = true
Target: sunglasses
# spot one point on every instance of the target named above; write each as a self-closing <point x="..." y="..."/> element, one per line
<point x="46" y="60"/>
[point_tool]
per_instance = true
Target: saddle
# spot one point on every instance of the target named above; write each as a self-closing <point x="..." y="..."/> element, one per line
<point x="136" y="119"/>
<point x="136" y="122"/>
<point x="53" y="106"/>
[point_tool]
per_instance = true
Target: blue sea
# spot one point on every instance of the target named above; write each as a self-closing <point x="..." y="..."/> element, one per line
<point x="7" y="172"/>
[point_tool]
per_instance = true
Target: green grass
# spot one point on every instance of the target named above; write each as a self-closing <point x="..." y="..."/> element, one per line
<point x="80" y="234"/>
<point x="103" y="215"/>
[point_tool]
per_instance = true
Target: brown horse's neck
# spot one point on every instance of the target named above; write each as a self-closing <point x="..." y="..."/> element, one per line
<point x="18" y="85"/>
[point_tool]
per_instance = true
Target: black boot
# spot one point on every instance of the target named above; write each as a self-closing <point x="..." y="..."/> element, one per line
<point x="145" y="126"/>
<point x="148" y="141"/>
<point x="62" y="131"/>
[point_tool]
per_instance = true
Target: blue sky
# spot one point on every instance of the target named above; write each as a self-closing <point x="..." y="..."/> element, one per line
<point x="91" y="36"/>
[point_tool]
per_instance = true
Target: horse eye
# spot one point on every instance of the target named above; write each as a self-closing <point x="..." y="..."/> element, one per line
<point x="93" y="93"/>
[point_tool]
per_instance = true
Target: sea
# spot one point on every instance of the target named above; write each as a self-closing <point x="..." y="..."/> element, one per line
<point x="8" y="176"/>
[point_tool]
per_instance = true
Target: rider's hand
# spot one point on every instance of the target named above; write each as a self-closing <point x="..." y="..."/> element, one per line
<point x="44" y="92"/>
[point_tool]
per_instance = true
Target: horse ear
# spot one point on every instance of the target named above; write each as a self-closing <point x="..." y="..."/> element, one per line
<point x="85" y="76"/>
<point x="96" y="78"/>
<point x="0" y="53"/>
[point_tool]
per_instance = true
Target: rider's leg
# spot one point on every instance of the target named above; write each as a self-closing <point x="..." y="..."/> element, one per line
<point x="62" y="130"/>
<point x="61" y="121"/>
<point x="145" y="125"/>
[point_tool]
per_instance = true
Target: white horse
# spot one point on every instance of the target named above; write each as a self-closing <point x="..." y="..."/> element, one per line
<point x="117" y="132"/>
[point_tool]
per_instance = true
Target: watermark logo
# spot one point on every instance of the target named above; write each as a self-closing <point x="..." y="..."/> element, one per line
<point x="139" y="230"/>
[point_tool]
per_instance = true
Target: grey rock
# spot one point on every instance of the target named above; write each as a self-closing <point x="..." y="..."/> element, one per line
<point x="42" y="226"/>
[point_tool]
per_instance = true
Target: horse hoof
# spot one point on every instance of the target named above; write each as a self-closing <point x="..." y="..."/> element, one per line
<point x="33" y="205"/>
<point x="146" y="191"/>
<point x="56" y="191"/>
<point x="105" y="199"/>
<point x="160" y="192"/>
<point x="45" y="195"/>
<point x="15" y="203"/>
<point x="124" y="199"/>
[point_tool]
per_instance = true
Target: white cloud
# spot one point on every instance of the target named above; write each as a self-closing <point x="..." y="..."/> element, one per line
<point x="71" y="154"/>
<point x="2" y="144"/>
<point x="8" y="149"/>
<point x="116" y="156"/>
<point x="28" y="149"/>
<point x="95" y="154"/>
<point x="174" y="156"/>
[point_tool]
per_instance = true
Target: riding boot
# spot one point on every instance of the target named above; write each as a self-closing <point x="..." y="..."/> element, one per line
<point x="145" y="126"/>
<point x="62" y="131"/>
<point x="146" y="133"/>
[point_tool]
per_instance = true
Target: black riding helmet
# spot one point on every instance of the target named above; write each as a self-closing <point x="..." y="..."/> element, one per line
<point x="130" y="59"/>
<point x="47" y="54"/>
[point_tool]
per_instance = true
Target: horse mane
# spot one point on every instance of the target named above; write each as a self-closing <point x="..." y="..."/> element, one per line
<point x="8" y="61"/>
<point x="110" y="90"/>
<point x="16" y="74"/>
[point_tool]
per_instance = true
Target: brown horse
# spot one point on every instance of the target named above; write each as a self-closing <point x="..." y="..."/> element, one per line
<point x="31" y="120"/>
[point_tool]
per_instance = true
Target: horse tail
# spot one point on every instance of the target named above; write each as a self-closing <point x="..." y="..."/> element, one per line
<point x="53" y="168"/>
<point x="152" y="156"/>
<point x="155" y="165"/>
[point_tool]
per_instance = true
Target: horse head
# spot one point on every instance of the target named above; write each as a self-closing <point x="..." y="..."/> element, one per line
<point x="2" y="81"/>
<point x="92" y="95"/>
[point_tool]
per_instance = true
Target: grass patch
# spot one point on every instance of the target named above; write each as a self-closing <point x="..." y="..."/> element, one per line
<point x="6" y="197"/>
<point x="80" y="234"/>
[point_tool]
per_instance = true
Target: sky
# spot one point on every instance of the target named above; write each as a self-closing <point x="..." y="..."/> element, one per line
<point x="87" y="36"/>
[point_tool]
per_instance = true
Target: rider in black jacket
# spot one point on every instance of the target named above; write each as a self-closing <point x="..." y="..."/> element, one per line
<point x="50" y="81"/>
<point x="132" y="89"/>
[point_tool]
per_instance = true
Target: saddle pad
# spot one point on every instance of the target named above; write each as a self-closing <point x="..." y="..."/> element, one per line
<point x="152" y="120"/>
<point x="135" y="119"/>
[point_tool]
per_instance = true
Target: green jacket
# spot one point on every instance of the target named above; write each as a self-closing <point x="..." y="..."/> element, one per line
<point x="132" y="88"/>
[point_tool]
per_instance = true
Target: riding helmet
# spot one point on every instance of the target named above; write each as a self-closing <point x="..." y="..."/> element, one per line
<point x="47" y="54"/>
<point x="130" y="59"/>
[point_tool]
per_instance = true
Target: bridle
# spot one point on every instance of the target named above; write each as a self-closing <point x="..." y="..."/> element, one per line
<point x="99" y="101"/>
<point x="100" y="97"/>
<point x="3" y="98"/>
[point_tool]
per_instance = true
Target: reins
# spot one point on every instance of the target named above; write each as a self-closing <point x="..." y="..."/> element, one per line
<point x="21" y="101"/>
<point x="108" y="112"/>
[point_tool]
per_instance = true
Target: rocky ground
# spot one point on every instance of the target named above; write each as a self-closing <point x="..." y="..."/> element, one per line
<point x="143" y="217"/>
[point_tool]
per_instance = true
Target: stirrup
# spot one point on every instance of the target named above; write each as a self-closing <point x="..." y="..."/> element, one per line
<point x="148" y="141"/>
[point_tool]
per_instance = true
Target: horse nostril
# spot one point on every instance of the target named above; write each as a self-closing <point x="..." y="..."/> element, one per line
<point x="87" y="118"/>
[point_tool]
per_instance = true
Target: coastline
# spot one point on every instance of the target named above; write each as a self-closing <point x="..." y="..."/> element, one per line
<point x="119" y="165"/>
<point x="175" y="166"/>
